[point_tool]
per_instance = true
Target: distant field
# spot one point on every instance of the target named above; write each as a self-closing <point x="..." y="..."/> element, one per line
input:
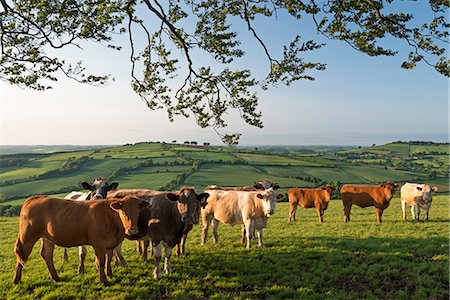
<point x="259" y="159"/>
<point x="32" y="168"/>
<point x="208" y="156"/>
<point x="301" y="260"/>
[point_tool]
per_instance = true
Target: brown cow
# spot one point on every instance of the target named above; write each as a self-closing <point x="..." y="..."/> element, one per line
<point x="364" y="196"/>
<point x="176" y="214"/>
<point x="100" y="223"/>
<point x="309" y="198"/>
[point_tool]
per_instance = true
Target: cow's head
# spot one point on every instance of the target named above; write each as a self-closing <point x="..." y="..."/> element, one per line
<point x="189" y="204"/>
<point x="269" y="200"/>
<point x="426" y="191"/>
<point x="99" y="188"/>
<point x="328" y="189"/>
<point x="389" y="188"/>
<point x="128" y="209"/>
<point x="265" y="184"/>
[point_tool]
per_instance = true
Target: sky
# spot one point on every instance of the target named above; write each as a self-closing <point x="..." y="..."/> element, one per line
<point x="358" y="100"/>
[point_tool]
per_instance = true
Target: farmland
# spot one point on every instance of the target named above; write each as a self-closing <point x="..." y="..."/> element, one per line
<point x="305" y="259"/>
<point x="361" y="259"/>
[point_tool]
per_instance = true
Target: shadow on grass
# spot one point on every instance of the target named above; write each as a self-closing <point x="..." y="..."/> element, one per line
<point x="326" y="267"/>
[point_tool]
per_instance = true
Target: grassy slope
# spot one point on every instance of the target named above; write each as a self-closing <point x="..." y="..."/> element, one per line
<point x="361" y="259"/>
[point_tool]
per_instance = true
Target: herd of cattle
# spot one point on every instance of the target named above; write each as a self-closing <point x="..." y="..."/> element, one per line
<point x="104" y="216"/>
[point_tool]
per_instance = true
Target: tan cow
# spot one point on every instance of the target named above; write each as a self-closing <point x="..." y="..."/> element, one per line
<point x="417" y="196"/>
<point x="100" y="223"/>
<point x="239" y="207"/>
<point x="309" y="198"/>
<point x="364" y="196"/>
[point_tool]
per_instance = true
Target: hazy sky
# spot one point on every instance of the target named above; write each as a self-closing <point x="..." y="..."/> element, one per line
<point x="358" y="100"/>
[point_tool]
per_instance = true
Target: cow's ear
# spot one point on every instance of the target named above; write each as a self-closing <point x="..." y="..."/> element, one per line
<point x="259" y="196"/>
<point x="113" y="186"/>
<point x="280" y="196"/>
<point x="258" y="186"/>
<point x="86" y="186"/>
<point x="172" y="197"/>
<point x="418" y="188"/>
<point x="434" y="189"/>
<point x="275" y="186"/>
<point x="202" y="196"/>
<point x="144" y="204"/>
<point x="116" y="205"/>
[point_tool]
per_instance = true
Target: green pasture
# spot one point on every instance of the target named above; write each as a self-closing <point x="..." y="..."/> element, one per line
<point x="261" y="159"/>
<point x="430" y="148"/>
<point x="92" y="169"/>
<point x="65" y="156"/>
<point x="208" y="156"/>
<point x="133" y="153"/>
<point x="300" y="260"/>
<point x="153" y="181"/>
<point x="235" y="175"/>
<point x="32" y="168"/>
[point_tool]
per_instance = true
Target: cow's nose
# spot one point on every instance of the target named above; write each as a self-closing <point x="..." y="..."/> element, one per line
<point x="132" y="231"/>
<point x="97" y="196"/>
<point x="187" y="218"/>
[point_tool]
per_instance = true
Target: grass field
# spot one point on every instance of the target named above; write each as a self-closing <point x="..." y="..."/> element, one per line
<point x="301" y="260"/>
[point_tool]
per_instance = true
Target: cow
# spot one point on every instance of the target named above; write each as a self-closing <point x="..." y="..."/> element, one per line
<point x="309" y="198"/>
<point x="251" y="208"/>
<point x="176" y="214"/>
<point x="416" y="196"/>
<point x="102" y="224"/>
<point x="257" y="186"/>
<point x="364" y="196"/>
<point x="97" y="190"/>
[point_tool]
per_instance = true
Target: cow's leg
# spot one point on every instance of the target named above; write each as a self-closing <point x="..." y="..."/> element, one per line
<point x="22" y="251"/>
<point x="65" y="256"/>
<point x="206" y="220"/>
<point x="82" y="253"/>
<point x="404" y="210"/>
<point x="347" y="210"/>
<point x="243" y="234"/>
<point x="138" y="247"/>
<point x="320" y="213"/>
<point x="292" y="212"/>
<point x="248" y="232"/>
<point x="181" y="245"/>
<point x="413" y="213"/>
<point x="120" y="261"/>
<point x="145" y="249"/>
<point x="379" y="212"/>
<point x="417" y="210"/>
<point x="109" y="257"/>
<point x="47" y="254"/>
<point x="167" y="254"/>
<point x="100" y="259"/>
<point x="259" y="232"/>
<point x="214" y="229"/>
<point x="157" y="259"/>
<point x="427" y="211"/>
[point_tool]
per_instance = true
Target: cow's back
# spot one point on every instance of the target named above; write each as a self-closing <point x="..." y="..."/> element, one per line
<point x="229" y="207"/>
<point x="364" y="196"/>
<point x="68" y="223"/>
<point x="306" y="198"/>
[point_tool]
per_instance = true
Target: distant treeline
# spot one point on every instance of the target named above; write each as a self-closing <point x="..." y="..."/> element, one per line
<point x="420" y="143"/>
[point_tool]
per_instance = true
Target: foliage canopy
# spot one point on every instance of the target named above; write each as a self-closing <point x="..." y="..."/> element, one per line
<point x="31" y="28"/>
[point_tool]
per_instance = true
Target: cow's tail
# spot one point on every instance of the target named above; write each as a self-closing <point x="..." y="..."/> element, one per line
<point x="19" y="252"/>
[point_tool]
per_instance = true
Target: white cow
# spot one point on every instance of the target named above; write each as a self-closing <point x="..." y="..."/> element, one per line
<point x="251" y="208"/>
<point x="417" y="196"/>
